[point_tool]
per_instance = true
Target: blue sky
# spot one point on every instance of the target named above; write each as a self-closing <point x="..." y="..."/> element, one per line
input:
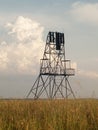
<point x="23" y="29"/>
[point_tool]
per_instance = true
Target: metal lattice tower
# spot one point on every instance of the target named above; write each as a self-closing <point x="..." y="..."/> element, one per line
<point x="55" y="70"/>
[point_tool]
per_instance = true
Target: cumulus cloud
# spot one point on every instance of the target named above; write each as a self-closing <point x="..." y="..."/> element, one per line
<point x="23" y="52"/>
<point x="26" y="29"/>
<point x="85" y="12"/>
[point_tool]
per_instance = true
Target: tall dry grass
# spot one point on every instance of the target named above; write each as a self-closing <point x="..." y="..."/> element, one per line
<point x="49" y="115"/>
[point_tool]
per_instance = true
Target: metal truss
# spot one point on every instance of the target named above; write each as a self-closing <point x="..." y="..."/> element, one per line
<point x="55" y="70"/>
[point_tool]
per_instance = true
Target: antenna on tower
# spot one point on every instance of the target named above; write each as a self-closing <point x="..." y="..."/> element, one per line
<point x="52" y="81"/>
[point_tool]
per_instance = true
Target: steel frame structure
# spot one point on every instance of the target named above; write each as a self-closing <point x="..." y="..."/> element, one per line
<point x="52" y="81"/>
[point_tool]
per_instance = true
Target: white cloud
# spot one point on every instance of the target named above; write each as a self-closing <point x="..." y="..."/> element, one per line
<point x="22" y="55"/>
<point x="85" y="12"/>
<point x="90" y="74"/>
<point x="26" y="29"/>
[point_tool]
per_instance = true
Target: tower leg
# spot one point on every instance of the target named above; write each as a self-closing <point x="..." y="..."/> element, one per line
<point x="51" y="87"/>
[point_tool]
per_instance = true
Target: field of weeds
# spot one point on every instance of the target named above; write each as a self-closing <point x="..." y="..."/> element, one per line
<point x="49" y="115"/>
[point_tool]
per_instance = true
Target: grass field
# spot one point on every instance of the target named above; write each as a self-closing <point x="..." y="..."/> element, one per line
<point x="49" y="115"/>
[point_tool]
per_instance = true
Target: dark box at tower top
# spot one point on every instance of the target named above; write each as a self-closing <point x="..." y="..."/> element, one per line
<point x="58" y="38"/>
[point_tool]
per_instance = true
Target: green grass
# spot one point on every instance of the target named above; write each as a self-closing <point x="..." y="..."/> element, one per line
<point x="49" y="115"/>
